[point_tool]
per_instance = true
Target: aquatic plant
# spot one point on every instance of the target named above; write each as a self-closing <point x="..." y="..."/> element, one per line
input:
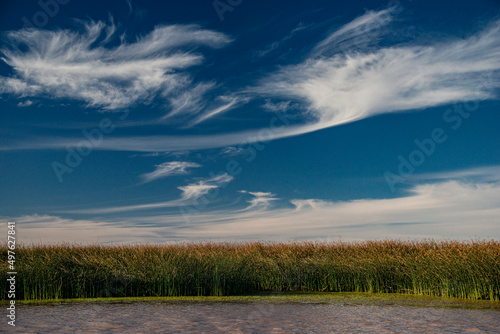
<point x="452" y="268"/>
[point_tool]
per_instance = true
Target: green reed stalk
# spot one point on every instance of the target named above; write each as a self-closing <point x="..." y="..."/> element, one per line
<point x="451" y="269"/>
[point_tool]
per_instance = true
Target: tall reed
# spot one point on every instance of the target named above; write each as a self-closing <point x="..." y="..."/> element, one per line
<point x="455" y="269"/>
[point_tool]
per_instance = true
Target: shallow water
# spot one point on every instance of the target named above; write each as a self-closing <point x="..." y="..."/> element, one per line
<point x="249" y="317"/>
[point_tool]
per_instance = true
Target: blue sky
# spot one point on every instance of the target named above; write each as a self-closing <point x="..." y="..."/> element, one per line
<point x="249" y="120"/>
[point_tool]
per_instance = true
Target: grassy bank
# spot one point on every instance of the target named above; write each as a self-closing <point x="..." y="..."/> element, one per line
<point x="343" y="298"/>
<point x="451" y="269"/>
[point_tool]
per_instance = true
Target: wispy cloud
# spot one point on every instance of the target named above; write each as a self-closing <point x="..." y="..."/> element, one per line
<point x="190" y="193"/>
<point x="130" y="8"/>
<point x="232" y="102"/>
<point x="348" y="87"/>
<point x="232" y="151"/>
<point x="26" y="103"/>
<point x="341" y="87"/>
<point x="276" y="45"/>
<point x="479" y="175"/>
<point x="202" y="187"/>
<point x="443" y="209"/>
<point x="40" y="227"/>
<point x="190" y="102"/>
<point x="358" y="33"/>
<point x="68" y="64"/>
<point x="152" y="154"/>
<point x="125" y="208"/>
<point x="260" y="199"/>
<point x="429" y="210"/>
<point x="168" y="169"/>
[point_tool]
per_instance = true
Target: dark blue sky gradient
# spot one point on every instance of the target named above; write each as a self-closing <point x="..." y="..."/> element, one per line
<point x="341" y="163"/>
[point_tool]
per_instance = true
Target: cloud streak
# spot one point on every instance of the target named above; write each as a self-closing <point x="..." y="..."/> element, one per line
<point x="189" y="194"/>
<point x="260" y="199"/>
<point x="79" y="66"/>
<point x="359" y="33"/>
<point x="216" y="111"/>
<point x="443" y="209"/>
<point x="348" y="87"/>
<point x="202" y="187"/>
<point x="331" y="87"/>
<point x="168" y="169"/>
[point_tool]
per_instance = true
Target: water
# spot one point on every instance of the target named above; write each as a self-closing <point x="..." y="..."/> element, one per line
<point x="249" y="317"/>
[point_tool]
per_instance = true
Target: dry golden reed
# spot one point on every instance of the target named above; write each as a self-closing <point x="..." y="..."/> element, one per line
<point x="454" y="269"/>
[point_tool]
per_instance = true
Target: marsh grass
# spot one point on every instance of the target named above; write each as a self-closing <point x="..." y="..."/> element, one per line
<point x="468" y="270"/>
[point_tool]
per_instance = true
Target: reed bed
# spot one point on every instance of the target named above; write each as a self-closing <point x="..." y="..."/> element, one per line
<point x="453" y="269"/>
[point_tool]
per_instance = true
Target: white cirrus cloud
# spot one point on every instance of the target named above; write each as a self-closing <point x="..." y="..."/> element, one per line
<point x="338" y="88"/>
<point x="359" y="33"/>
<point x="350" y="86"/>
<point x="260" y="199"/>
<point x="84" y="231"/>
<point x="195" y="190"/>
<point x="232" y="151"/>
<point x="190" y="193"/>
<point x="229" y="103"/>
<point x="168" y="169"/>
<point x="26" y="103"/>
<point x="450" y="208"/>
<point x="80" y="65"/>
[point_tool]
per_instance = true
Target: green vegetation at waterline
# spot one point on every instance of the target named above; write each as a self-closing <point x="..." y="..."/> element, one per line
<point x="451" y="269"/>
<point x="344" y="298"/>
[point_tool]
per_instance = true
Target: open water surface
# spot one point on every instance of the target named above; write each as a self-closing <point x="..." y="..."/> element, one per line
<point x="248" y="317"/>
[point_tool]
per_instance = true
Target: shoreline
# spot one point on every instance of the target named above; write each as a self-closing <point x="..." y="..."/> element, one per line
<point x="346" y="298"/>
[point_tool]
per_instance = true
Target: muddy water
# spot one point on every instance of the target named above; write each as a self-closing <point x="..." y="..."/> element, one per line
<point x="249" y="317"/>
